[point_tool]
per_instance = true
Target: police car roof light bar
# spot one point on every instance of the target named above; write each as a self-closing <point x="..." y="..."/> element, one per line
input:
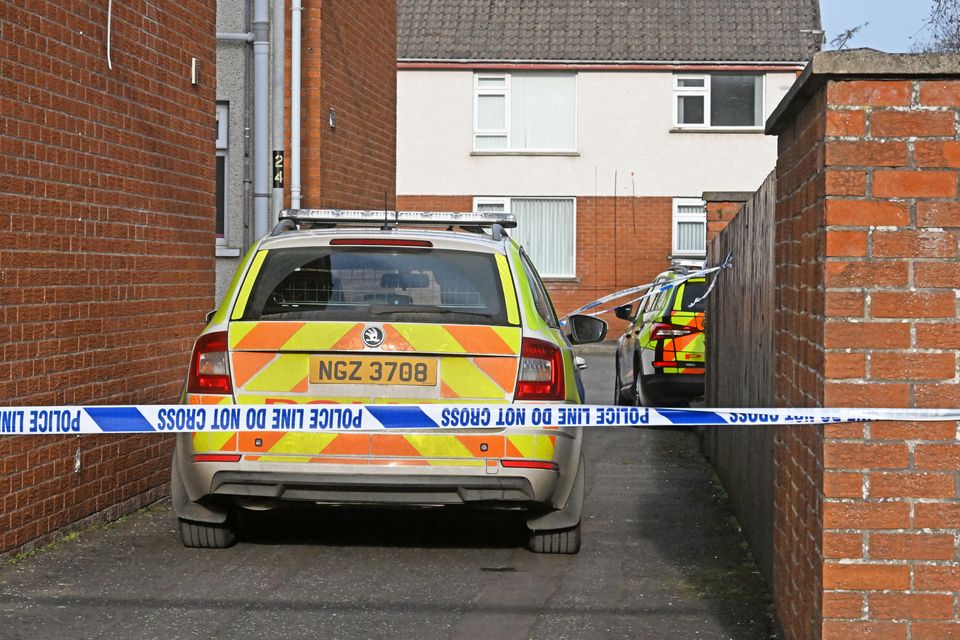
<point x="377" y="217"/>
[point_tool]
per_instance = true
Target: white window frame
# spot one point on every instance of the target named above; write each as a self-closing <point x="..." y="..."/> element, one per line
<point x="704" y="91"/>
<point x="223" y="248"/>
<point x="679" y="217"/>
<point x="223" y="126"/>
<point x="481" y="200"/>
<point x="505" y="91"/>
<point x="679" y="92"/>
<point x="507" y="201"/>
<point x="478" y="92"/>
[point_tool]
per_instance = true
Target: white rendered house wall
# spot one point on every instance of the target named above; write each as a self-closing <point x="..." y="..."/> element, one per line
<point x="626" y="142"/>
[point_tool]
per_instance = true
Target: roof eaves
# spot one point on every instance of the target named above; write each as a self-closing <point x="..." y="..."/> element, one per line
<point x="534" y="61"/>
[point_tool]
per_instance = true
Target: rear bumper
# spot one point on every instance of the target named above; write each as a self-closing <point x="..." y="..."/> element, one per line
<point x="354" y="489"/>
<point x="206" y="490"/>
<point x="676" y="385"/>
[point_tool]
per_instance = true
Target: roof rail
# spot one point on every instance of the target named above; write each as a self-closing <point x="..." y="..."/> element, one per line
<point x="385" y="218"/>
<point x="685" y="265"/>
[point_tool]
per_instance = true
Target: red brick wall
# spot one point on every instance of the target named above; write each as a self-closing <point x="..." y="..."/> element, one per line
<point x="106" y="259"/>
<point x="867" y="521"/>
<point x="349" y="64"/>
<point x="435" y="203"/>
<point x="719" y="215"/>
<point x="798" y="358"/>
<point x="891" y="515"/>
<point x="621" y="242"/>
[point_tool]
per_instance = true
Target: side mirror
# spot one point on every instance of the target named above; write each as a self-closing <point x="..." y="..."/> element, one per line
<point x="210" y="315"/>
<point x="584" y="329"/>
<point x="624" y="312"/>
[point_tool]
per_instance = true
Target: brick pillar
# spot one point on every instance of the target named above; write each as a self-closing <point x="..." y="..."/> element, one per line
<point x="798" y="363"/>
<point x="722" y="206"/>
<point x="867" y="264"/>
<point x="891" y="273"/>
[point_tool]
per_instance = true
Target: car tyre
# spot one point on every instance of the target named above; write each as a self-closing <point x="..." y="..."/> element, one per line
<point x="202" y="535"/>
<point x="562" y="541"/>
<point x="641" y="395"/>
<point x="619" y="398"/>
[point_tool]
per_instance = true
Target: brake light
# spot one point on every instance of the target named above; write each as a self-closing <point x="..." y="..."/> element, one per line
<point x="541" y="371"/>
<point x="530" y="464"/>
<point x="208" y="366"/>
<point x="662" y="330"/>
<point x="216" y="457"/>
<point x="379" y="242"/>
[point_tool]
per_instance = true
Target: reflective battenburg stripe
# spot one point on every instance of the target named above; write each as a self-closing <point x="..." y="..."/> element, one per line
<point x="339" y="336"/>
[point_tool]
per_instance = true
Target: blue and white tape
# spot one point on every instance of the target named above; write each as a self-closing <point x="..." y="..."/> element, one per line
<point x="359" y="418"/>
<point x="652" y="289"/>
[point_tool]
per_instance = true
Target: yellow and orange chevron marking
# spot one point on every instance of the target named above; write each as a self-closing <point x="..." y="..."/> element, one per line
<point x="477" y="377"/>
<point x="212" y="442"/>
<point x="380" y="449"/>
<point x="685" y="348"/>
<point x="346" y="336"/>
<point x="274" y="357"/>
<point x="287" y="373"/>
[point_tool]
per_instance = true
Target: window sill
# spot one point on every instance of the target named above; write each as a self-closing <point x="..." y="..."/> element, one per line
<point x="227" y="252"/>
<point x="717" y="130"/>
<point x="686" y="259"/>
<point x="571" y="154"/>
<point x="561" y="279"/>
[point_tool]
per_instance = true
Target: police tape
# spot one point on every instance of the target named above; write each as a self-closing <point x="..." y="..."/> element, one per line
<point x="653" y="289"/>
<point x="373" y="418"/>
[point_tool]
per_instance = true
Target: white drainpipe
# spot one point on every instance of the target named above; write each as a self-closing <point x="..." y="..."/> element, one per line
<point x="296" y="11"/>
<point x="261" y="118"/>
<point x="278" y="73"/>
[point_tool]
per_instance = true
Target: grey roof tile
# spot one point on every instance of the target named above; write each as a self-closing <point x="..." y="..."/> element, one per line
<point x="608" y="30"/>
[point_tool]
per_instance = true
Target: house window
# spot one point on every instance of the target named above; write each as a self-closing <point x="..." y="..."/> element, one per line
<point x="525" y="112"/>
<point x="689" y="227"/>
<point x="718" y="100"/>
<point x="223" y="116"/>
<point x="546" y="228"/>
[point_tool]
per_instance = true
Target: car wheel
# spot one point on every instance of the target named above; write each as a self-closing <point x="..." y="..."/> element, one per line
<point x="563" y="541"/>
<point x="201" y="535"/>
<point x="641" y="395"/>
<point x="618" y="396"/>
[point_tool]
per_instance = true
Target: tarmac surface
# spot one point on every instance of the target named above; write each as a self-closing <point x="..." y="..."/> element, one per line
<point x="662" y="558"/>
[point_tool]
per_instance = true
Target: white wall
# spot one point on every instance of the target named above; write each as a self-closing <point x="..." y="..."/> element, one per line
<point x="230" y="88"/>
<point x="624" y="126"/>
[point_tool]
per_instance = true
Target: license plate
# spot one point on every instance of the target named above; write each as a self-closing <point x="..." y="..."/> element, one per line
<point x="373" y="370"/>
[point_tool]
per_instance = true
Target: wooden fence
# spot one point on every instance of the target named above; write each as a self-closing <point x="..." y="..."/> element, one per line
<point x="740" y="366"/>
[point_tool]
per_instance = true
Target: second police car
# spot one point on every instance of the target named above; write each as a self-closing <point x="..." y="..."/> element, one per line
<point x="385" y="308"/>
<point x="660" y="357"/>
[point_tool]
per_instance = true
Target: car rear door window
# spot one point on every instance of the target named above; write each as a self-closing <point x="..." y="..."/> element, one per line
<point x="541" y="299"/>
<point x="689" y="293"/>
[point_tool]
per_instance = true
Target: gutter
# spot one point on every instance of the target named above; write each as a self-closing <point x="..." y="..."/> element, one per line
<point x="593" y="63"/>
<point x="243" y="37"/>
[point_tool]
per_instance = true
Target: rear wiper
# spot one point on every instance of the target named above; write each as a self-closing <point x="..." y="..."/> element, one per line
<point x="379" y="311"/>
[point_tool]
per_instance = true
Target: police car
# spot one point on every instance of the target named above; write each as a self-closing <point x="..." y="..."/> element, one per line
<point x="660" y="357"/>
<point x="378" y="307"/>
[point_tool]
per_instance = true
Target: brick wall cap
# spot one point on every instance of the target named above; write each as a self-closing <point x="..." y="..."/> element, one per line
<point x="727" y="196"/>
<point x="855" y="64"/>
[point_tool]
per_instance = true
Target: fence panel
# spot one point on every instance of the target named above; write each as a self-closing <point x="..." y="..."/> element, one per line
<point x="740" y="367"/>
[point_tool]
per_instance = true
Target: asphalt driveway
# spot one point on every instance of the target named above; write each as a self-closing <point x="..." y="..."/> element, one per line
<point x="662" y="558"/>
